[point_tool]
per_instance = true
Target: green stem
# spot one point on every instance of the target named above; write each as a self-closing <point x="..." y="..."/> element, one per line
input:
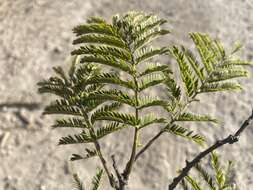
<point x="131" y="161"/>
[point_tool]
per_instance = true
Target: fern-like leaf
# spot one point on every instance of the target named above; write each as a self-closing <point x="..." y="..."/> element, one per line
<point x="183" y="132"/>
<point x="150" y="80"/>
<point x="206" y="176"/>
<point x="220" y="86"/>
<point x="103" y="51"/>
<point x="207" y="56"/>
<point x="108" y="129"/>
<point x="184" y="185"/>
<point x="189" y="79"/>
<point x="148" y="37"/>
<point x="149" y="101"/>
<point x="70" y="123"/>
<point x="108" y="60"/>
<point x="145" y="53"/>
<point x="101" y="39"/>
<point x="63" y="107"/>
<point x="89" y="154"/>
<point x="227" y="73"/>
<point x="150" y="119"/>
<point x="219" y="174"/>
<point x="77" y="182"/>
<point x="193" y="117"/>
<point x="103" y="109"/>
<point x="154" y="67"/>
<point x="111" y="78"/>
<point x="83" y="137"/>
<point x="195" y="185"/>
<point x="95" y="28"/>
<point x="113" y="95"/>
<point x="124" y="118"/>
<point x="96" y="180"/>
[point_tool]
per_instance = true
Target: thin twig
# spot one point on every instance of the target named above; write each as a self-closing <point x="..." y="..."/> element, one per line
<point x="150" y="142"/>
<point x="103" y="161"/>
<point x="115" y="167"/>
<point x="121" y="181"/>
<point x="100" y="155"/>
<point x="229" y="140"/>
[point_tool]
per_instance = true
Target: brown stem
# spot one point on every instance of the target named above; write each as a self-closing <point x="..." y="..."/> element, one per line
<point x="121" y="182"/>
<point x="229" y="140"/>
<point x="103" y="161"/>
<point x="100" y="155"/>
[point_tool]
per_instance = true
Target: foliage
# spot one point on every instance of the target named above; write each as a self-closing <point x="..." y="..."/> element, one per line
<point x="218" y="178"/>
<point x="115" y="64"/>
<point x="95" y="183"/>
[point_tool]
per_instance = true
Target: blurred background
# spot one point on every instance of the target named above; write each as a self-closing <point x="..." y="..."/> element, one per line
<point x="36" y="35"/>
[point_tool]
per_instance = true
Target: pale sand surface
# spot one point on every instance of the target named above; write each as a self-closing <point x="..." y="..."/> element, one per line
<point x="35" y="35"/>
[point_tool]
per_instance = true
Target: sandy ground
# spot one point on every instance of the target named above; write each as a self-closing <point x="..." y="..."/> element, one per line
<point x="36" y="35"/>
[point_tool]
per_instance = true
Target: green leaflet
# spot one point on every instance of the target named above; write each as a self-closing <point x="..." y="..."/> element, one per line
<point x="150" y="80"/>
<point x="75" y="139"/>
<point x="219" y="174"/>
<point x="95" y="183"/>
<point x="110" y="78"/>
<point x="70" y="123"/>
<point x="95" y="20"/>
<point x="206" y="55"/>
<point x="151" y="23"/>
<point x="192" y="60"/>
<point x="77" y="182"/>
<point x="113" y="95"/>
<point x="107" y="60"/>
<point x="101" y="39"/>
<point x="148" y="37"/>
<point x="124" y="118"/>
<point x="63" y="106"/>
<point x="103" y="109"/>
<point x="150" y="119"/>
<point x="145" y="53"/>
<point x="96" y="180"/>
<point x="225" y="74"/>
<point x="194" y="183"/>
<point x="108" y="129"/>
<point x="149" y="101"/>
<point x="89" y="154"/>
<point x="236" y="62"/>
<point x="188" y="78"/>
<point x="59" y="71"/>
<point x="103" y="51"/>
<point x="220" y="86"/>
<point x="206" y="176"/>
<point x="217" y="178"/>
<point x="173" y="90"/>
<point x="154" y="67"/>
<point x="183" y="132"/>
<point x="55" y="86"/>
<point x="95" y="28"/>
<point x="184" y="185"/>
<point x="193" y="117"/>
